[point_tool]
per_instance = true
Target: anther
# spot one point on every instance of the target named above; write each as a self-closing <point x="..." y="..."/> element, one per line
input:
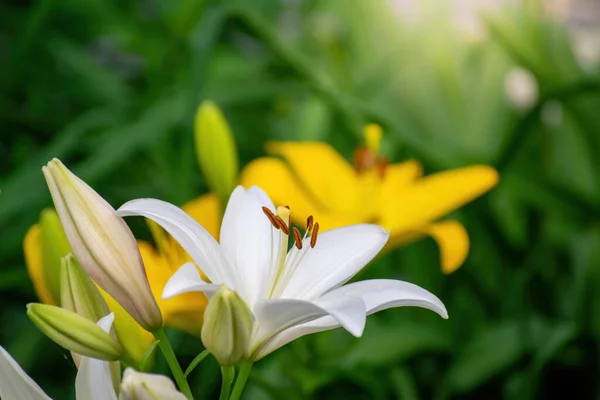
<point x="282" y="225"/>
<point x="309" y="223"/>
<point x="271" y="217"/>
<point x="297" y="238"/>
<point x="313" y="235"/>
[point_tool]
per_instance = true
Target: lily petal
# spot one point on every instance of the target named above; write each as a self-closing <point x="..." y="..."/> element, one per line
<point x="15" y="384"/>
<point x="453" y="241"/>
<point x="399" y="176"/>
<point x="434" y="196"/>
<point x="196" y="240"/>
<point x="276" y="315"/>
<point x="250" y="240"/>
<point x="338" y="255"/>
<point x="381" y="294"/>
<point x="93" y="381"/>
<point x="187" y="279"/>
<point x="377" y="295"/>
<point x="276" y="178"/>
<point x="282" y="338"/>
<point x="32" y="250"/>
<point x="337" y="189"/>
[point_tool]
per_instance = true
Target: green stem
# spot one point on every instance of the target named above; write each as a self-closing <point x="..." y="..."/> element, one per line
<point x="240" y="383"/>
<point x="227" y="378"/>
<point x="167" y="350"/>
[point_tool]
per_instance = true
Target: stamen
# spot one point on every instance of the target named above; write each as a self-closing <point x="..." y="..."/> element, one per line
<point x="271" y="217"/>
<point x="314" y="234"/>
<point x="282" y="225"/>
<point x="309" y="223"/>
<point x="297" y="238"/>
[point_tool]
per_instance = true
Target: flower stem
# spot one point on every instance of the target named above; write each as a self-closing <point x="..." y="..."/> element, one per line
<point x="227" y="378"/>
<point x="240" y="383"/>
<point x="167" y="350"/>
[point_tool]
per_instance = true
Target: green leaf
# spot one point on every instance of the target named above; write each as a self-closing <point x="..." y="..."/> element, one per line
<point x="143" y="364"/>
<point x="199" y="358"/>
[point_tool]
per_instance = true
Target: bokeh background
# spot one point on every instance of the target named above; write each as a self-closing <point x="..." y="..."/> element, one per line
<point x="111" y="88"/>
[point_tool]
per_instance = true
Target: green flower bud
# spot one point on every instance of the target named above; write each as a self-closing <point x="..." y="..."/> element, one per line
<point x="78" y="293"/>
<point x="73" y="332"/>
<point x="216" y="150"/>
<point x="227" y="326"/>
<point x="54" y="245"/>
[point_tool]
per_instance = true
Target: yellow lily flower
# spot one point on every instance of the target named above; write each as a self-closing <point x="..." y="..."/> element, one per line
<point x="314" y="179"/>
<point x="183" y="312"/>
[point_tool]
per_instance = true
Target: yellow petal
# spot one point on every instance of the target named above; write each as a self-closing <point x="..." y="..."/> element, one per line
<point x="183" y="312"/>
<point x="32" y="249"/>
<point x="325" y="174"/>
<point x="434" y="196"/>
<point x="134" y="339"/>
<point x="453" y="241"/>
<point x="275" y="178"/>
<point x="207" y="212"/>
<point x="398" y="176"/>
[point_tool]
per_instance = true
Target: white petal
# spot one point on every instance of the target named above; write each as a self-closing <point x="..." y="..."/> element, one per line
<point x="276" y="315"/>
<point x="106" y="322"/>
<point x="380" y="294"/>
<point x="94" y="381"/>
<point x="144" y="386"/>
<point x="338" y="255"/>
<point x="350" y="312"/>
<point x="281" y="339"/>
<point x="187" y="279"/>
<point x="377" y="295"/>
<point x="263" y="197"/>
<point x="249" y="240"/>
<point x="196" y="240"/>
<point x="15" y="384"/>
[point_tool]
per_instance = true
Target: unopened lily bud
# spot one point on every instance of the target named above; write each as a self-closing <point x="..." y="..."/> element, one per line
<point x="73" y="332"/>
<point x="44" y="244"/>
<point x="216" y="150"/>
<point x="103" y="244"/>
<point x="78" y="293"/>
<point x="142" y="386"/>
<point x="227" y="326"/>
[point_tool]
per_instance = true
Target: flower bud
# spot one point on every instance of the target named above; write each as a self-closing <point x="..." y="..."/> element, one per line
<point x="227" y="326"/>
<point x="216" y="150"/>
<point x="73" y="332"/>
<point x="103" y="244"/>
<point x="78" y="293"/>
<point x="142" y="386"/>
<point x="44" y="245"/>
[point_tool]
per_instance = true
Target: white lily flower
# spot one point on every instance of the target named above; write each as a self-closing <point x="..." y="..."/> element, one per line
<point x="290" y="293"/>
<point x="93" y="381"/>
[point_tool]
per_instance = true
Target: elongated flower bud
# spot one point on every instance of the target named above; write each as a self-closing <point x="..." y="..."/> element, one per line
<point x="227" y="326"/>
<point x="73" y="332"/>
<point x="142" y="386"/>
<point x="103" y="244"/>
<point x="216" y="150"/>
<point x="78" y="293"/>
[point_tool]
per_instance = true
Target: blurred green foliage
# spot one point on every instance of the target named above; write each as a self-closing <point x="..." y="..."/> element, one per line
<point x="111" y="88"/>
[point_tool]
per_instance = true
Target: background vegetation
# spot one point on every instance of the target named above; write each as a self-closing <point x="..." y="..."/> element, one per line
<point x="111" y="88"/>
